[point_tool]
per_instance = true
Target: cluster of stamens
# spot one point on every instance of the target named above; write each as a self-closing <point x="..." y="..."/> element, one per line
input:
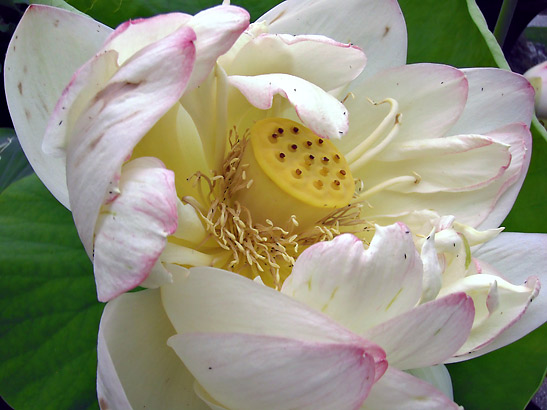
<point x="260" y="248"/>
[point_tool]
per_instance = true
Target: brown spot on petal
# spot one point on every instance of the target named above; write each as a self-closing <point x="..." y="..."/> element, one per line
<point x="386" y="30"/>
<point x="103" y="404"/>
<point x="27" y="114"/>
<point x="20" y="87"/>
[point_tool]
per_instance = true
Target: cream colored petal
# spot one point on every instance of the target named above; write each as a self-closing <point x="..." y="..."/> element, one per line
<point x="356" y="287"/>
<point x="133" y="338"/>
<point x="377" y="27"/>
<point x="317" y="59"/>
<point x="36" y="70"/>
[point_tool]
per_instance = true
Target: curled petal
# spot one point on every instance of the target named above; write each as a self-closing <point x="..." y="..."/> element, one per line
<point x="132" y="228"/>
<point x="243" y="371"/>
<point x="400" y="390"/>
<point x="136" y="368"/>
<point x="119" y="116"/>
<point x="359" y="288"/>
<point x="312" y="58"/>
<point x="319" y="111"/>
<point x="376" y="27"/>
<point x="37" y="70"/>
<point x="498" y="305"/>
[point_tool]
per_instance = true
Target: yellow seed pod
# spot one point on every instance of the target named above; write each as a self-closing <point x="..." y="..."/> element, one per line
<point x="293" y="168"/>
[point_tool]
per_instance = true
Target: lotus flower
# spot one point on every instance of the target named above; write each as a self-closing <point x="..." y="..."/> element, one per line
<point x="537" y="76"/>
<point x="179" y="142"/>
<point x="204" y="141"/>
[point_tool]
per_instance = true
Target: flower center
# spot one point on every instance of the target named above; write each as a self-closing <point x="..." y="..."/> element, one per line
<point x="295" y="174"/>
<point x="281" y="189"/>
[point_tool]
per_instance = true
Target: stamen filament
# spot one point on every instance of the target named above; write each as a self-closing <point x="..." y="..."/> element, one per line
<point x="367" y="156"/>
<point x="386" y="184"/>
<point x="360" y="150"/>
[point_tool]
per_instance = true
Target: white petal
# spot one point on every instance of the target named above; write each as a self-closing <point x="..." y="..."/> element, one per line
<point x="36" y="71"/>
<point x="496" y="98"/>
<point x="119" y="117"/>
<point x="265" y="372"/>
<point x="519" y="138"/>
<point x="437" y="376"/>
<point x="317" y="59"/>
<point x="132" y="228"/>
<point x="134" y="356"/>
<point x="458" y="163"/>
<point x="432" y="278"/>
<point x="399" y="390"/>
<point x="216" y="29"/>
<point x="319" y="111"/>
<point x="377" y="27"/>
<point x="501" y="306"/>
<point x="427" y="335"/>
<point x="359" y="288"/>
<point x="239" y="305"/>
<point x="430" y="99"/>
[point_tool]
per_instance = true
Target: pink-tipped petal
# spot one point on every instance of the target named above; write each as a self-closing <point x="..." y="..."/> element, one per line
<point x="519" y="139"/>
<point x="132" y="36"/>
<point x="359" y="288"/>
<point x="236" y="304"/>
<point x="426" y="335"/>
<point x="136" y="368"/>
<point x="243" y="371"/>
<point x="216" y="29"/>
<point x="457" y="163"/>
<point x="310" y="57"/>
<point x="496" y="98"/>
<point x="36" y="71"/>
<point x="499" y="305"/>
<point x="319" y="111"/>
<point x="120" y="115"/>
<point x="377" y="27"/>
<point x="400" y="390"/>
<point x="132" y="228"/>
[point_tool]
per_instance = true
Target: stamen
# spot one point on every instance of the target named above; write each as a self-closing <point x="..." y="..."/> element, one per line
<point x="263" y="249"/>
<point x="390" y="118"/>
<point x="389" y="183"/>
<point x="367" y="156"/>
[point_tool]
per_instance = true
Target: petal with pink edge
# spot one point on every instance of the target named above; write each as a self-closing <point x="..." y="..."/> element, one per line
<point x="243" y="371"/>
<point x="236" y="304"/>
<point x="519" y="139"/>
<point x="498" y="305"/>
<point x="400" y="390"/>
<point x="312" y="58"/>
<point x="216" y="29"/>
<point x="132" y="229"/>
<point x="457" y="163"/>
<point x="119" y="116"/>
<point x="428" y="99"/>
<point x="136" y="367"/>
<point x="319" y="111"/>
<point x="496" y="98"/>
<point x="517" y="256"/>
<point x="359" y="288"/>
<point x="37" y="70"/>
<point x="426" y="335"/>
<point x="377" y="27"/>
